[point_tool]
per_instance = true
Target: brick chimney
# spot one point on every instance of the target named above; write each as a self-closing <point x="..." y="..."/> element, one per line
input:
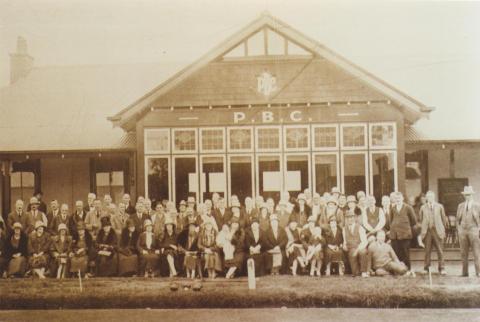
<point x="20" y="61"/>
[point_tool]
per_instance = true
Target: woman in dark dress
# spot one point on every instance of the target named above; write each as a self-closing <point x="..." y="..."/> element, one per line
<point x="188" y="245"/>
<point x="17" y="252"/>
<point x="333" y="249"/>
<point x="169" y="248"/>
<point x="127" y="251"/>
<point x="82" y="248"/>
<point x="254" y="245"/>
<point x="60" y="250"/>
<point x="39" y="249"/>
<point x="238" y="242"/>
<point x="106" y="246"/>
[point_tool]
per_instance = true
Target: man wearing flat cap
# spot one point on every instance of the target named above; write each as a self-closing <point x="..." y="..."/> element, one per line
<point x="468" y="225"/>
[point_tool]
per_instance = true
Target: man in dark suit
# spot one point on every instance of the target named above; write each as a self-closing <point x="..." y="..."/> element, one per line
<point x="54" y="212"/>
<point x="127" y="202"/>
<point x="78" y="216"/>
<point x="18" y="215"/>
<point x="249" y="211"/>
<point x="402" y="222"/>
<point x="222" y="214"/>
<point x="433" y="225"/>
<point x="139" y="216"/>
<point x="275" y="242"/>
<point x="468" y="225"/>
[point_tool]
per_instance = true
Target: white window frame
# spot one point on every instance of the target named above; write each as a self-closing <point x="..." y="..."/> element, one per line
<point x="229" y="177"/>
<point x="159" y="156"/>
<point x="257" y="137"/>
<point x="370" y="139"/>
<point x="314" y="170"/>
<point x="252" y="141"/>
<point x="337" y="138"/>
<point x="224" y="171"/>
<point x="257" y="174"/>
<point x="174" y="192"/>
<point x="309" y="160"/>
<point x="395" y="177"/>
<point x="174" y="130"/>
<point x="367" y="175"/>
<point x="202" y="150"/>
<point x="292" y="126"/>
<point x="145" y="135"/>
<point x="364" y="147"/>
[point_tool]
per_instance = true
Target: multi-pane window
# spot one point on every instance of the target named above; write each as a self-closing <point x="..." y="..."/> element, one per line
<point x="157" y="140"/>
<point x="382" y="135"/>
<point x="296" y="138"/>
<point x="110" y="183"/>
<point x="325" y="137"/>
<point x="268" y="138"/>
<point x="240" y="139"/>
<point x="185" y="140"/>
<point x="212" y="139"/>
<point x="353" y="136"/>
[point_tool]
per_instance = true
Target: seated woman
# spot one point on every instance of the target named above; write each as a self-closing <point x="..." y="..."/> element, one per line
<point x="148" y="248"/>
<point x="237" y="240"/>
<point x="127" y="250"/>
<point x="82" y="251"/>
<point x="253" y="243"/>
<point x="38" y="249"/>
<point x="188" y="244"/>
<point x="60" y="249"/>
<point x="316" y="243"/>
<point x="17" y="251"/>
<point x="208" y="247"/>
<point x="264" y="218"/>
<point x="106" y="246"/>
<point x="333" y="249"/>
<point x="294" y="249"/>
<point x="237" y="215"/>
<point x="169" y="246"/>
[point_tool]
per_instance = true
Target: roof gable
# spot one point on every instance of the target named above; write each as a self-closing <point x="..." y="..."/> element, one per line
<point x="412" y="108"/>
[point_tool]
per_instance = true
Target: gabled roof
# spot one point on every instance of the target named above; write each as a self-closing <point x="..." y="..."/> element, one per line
<point x="65" y="108"/>
<point x="412" y="108"/>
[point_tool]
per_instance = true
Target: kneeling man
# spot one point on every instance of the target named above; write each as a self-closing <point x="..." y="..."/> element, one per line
<point x="384" y="259"/>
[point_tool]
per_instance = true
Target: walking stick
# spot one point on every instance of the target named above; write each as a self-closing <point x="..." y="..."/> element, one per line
<point x="430" y="277"/>
<point x="80" y="280"/>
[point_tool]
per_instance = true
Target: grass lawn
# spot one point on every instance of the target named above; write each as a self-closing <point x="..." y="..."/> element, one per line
<point x="300" y="291"/>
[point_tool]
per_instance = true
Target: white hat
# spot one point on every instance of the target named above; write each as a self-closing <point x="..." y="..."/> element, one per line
<point x="468" y="190"/>
<point x="39" y="224"/>
<point x="147" y="222"/>
<point x="62" y="226"/>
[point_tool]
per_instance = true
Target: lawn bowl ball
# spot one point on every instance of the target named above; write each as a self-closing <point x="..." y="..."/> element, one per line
<point x="186" y="286"/>
<point x="173" y="286"/>
<point x="197" y="286"/>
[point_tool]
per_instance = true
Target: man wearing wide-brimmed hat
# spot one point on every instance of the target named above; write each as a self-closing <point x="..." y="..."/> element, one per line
<point x="35" y="215"/>
<point x="468" y="225"/>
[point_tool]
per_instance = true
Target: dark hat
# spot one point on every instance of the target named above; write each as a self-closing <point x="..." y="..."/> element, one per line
<point x="105" y="221"/>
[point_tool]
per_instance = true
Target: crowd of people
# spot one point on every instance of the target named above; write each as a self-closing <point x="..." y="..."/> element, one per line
<point x="310" y="234"/>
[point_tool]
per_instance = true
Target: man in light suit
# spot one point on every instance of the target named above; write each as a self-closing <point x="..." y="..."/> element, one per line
<point x="468" y="225"/>
<point x="433" y="224"/>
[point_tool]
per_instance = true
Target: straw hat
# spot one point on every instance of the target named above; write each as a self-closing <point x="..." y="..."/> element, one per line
<point x="468" y="190"/>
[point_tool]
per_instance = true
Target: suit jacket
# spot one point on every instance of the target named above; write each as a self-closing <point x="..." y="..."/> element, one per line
<point x="402" y="222"/>
<point x="92" y="221"/>
<point x="440" y="221"/>
<point x="128" y="244"/>
<point x="222" y="220"/>
<point x="74" y="220"/>
<point x="250" y="239"/>
<point x="13" y="217"/>
<point x="250" y="216"/>
<point x="58" y="247"/>
<point x="475" y="209"/>
<point x="271" y="241"/>
<point x="32" y="219"/>
<point x="139" y="221"/>
<point x="53" y="226"/>
<point x="51" y="215"/>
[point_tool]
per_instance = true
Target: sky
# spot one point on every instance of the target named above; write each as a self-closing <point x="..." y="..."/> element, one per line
<point x="429" y="50"/>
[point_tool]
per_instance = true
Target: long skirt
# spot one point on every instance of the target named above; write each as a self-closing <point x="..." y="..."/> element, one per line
<point x="38" y="262"/>
<point x="55" y="263"/>
<point x="17" y="266"/>
<point x="190" y="261"/>
<point x="237" y="260"/>
<point x="127" y="264"/>
<point x="79" y="263"/>
<point x="213" y="261"/>
<point x="107" y="265"/>
<point x="149" y="262"/>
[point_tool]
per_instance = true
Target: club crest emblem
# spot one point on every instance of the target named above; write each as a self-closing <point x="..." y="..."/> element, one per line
<point x="266" y="83"/>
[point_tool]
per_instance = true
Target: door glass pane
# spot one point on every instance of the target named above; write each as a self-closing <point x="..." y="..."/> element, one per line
<point x="269" y="177"/>
<point x="296" y="174"/>
<point x="383" y="172"/>
<point x="214" y="174"/>
<point x="158" y="187"/>
<point x="186" y="178"/>
<point x="325" y="172"/>
<point x="354" y="173"/>
<point x="296" y="138"/>
<point x="241" y="177"/>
